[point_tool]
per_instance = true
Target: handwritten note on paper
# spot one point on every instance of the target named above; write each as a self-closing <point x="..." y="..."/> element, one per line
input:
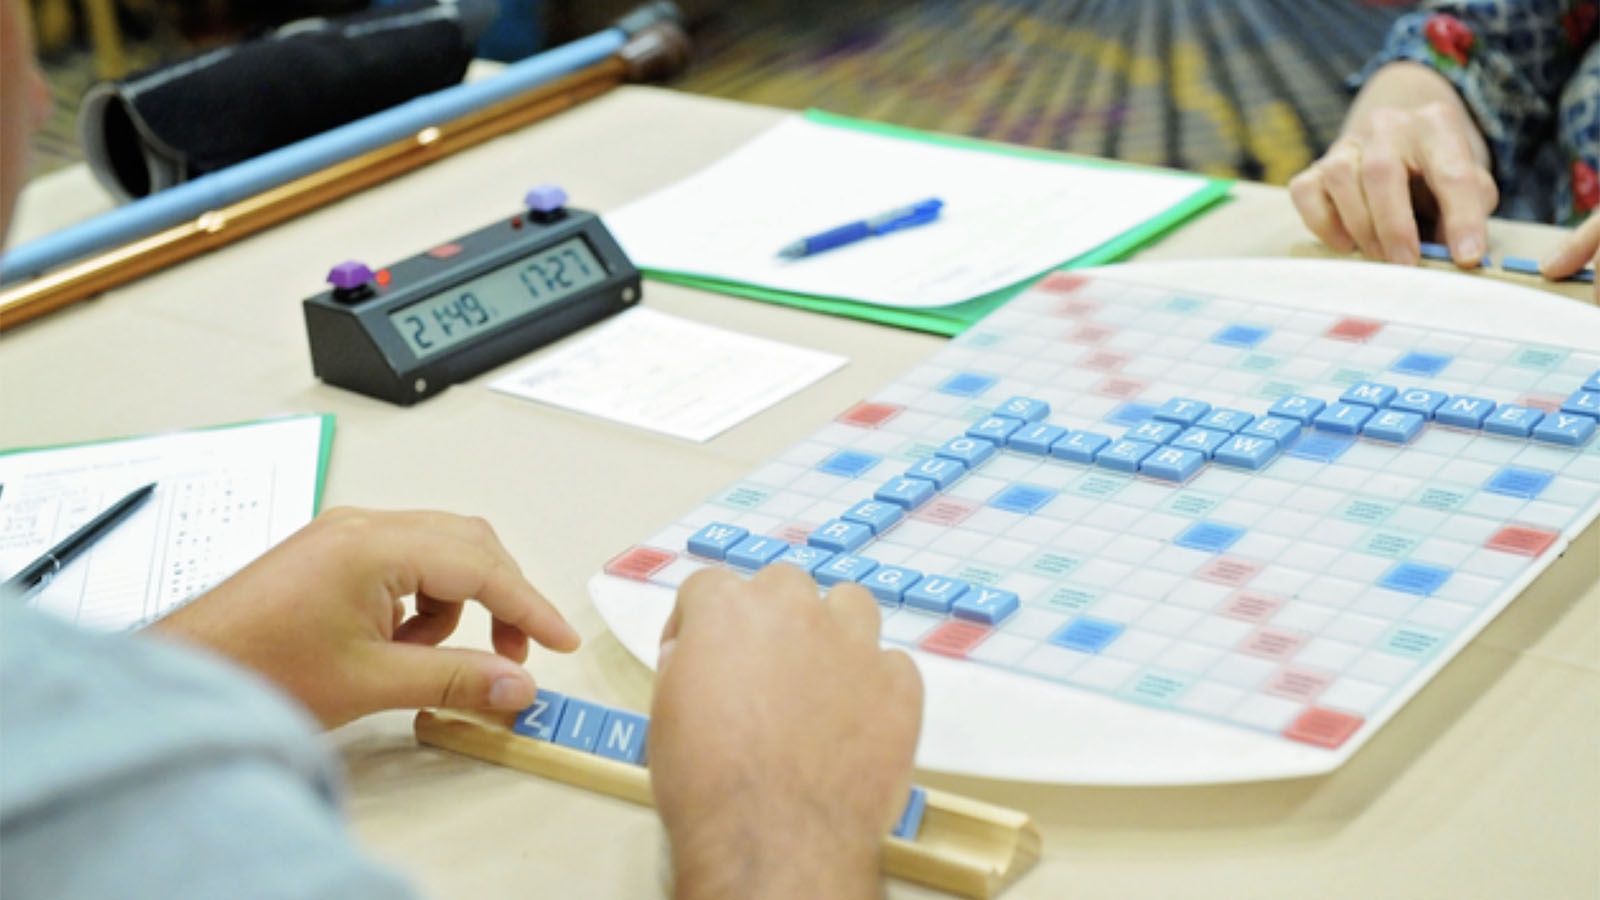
<point x="223" y="497"/>
<point x="651" y="370"/>
<point x="1005" y="217"/>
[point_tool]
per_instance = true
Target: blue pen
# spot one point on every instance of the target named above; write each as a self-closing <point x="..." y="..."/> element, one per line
<point x="895" y="219"/>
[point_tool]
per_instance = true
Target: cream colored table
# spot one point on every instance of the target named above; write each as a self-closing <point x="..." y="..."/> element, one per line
<point x="1486" y="785"/>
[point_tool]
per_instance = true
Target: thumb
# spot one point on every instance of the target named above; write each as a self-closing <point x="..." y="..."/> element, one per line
<point x="410" y="676"/>
<point x="1572" y="255"/>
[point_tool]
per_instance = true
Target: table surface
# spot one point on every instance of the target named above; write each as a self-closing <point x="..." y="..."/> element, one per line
<point x="1486" y="785"/>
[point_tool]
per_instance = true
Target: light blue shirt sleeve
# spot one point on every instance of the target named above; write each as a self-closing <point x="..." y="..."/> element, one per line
<point x="130" y="768"/>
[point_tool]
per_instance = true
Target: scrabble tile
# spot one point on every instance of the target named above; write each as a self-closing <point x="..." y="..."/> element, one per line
<point x="1204" y="441"/>
<point x="1182" y="411"/>
<point x="889" y="583"/>
<point x="1297" y="407"/>
<point x="714" y="540"/>
<point x="1124" y="455"/>
<point x="756" y="551"/>
<point x="1520" y="264"/>
<point x="1569" y="430"/>
<point x="840" y="536"/>
<point x="906" y="492"/>
<point x="1080" y="446"/>
<point x="987" y="605"/>
<point x="1582" y="402"/>
<point x="843" y="567"/>
<point x="1510" y="419"/>
<point x="540" y="719"/>
<point x="1025" y="408"/>
<point x="622" y="736"/>
<point x="997" y="429"/>
<point x="935" y="593"/>
<point x="970" y="452"/>
<point x="910" y="823"/>
<point x="940" y="470"/>
<point x="1036" y="438"/>
<point x="1436" y="252"/>
<point x="1369" y="393"/>
<point x="1392" y="426"/>
<point x="580" y="724"/>
<point x="1172" y="464"/>
<point x="803" y="557"/>
<point x="877" y="515"/>
<point x="1464" y="412"/>
<point x="1229" y="420"/>
<point x="1343" y="418"/>
<point x="1281" y="431"/>
<point x="1153" y="432"/>
<point x="1422" y="402"/>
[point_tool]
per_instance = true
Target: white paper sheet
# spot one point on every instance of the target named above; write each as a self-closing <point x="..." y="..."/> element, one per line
<point x="1005" y="218"/>
<point x="223" y="497"/>
<point x="652" y="370"/>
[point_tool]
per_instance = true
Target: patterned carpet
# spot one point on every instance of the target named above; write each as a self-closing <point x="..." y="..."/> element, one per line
<point x="1242" y="88"/>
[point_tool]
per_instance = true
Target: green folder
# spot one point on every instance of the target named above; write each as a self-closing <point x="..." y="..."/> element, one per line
<point x="956" y="317"/>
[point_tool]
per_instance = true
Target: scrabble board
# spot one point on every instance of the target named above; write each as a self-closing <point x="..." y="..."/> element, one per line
<point x="1180" y="524"/>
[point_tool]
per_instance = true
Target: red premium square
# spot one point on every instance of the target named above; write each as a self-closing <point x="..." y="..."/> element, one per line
<point x="1358" y="330"/>
<point x="639" y="563"/>
<point x="954" y="638"/>
<point x="869" y="415"/>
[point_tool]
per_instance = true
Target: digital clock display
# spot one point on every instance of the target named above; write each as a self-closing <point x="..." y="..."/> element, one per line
<point x="476" y="307"/>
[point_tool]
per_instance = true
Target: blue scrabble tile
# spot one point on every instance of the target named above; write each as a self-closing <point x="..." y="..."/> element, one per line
<point x="967" y="384"/>
<point x="970" y="452"/>
<point x="1583" y="403"/>
<point x="1566" y="429"/>
<point x="714" y="540"/>
<point x="1300" y="408"/>
<point x="1423" y="403"/>
<point x="1324" y="448"/>
<point x="1343" y="418"/>
<point x="906" y="492"/>
<point x="622" y="736"/>
<point x="1464" y="412"/>
<point x="1273" y="428"/>
<point x="889" y="583"/>
<point x="1425" y="365"/>
<point x="1584" y="275"/>
<point x="1079" y="447"/>
<point x="1520" y="264"/>
<point x="1124" y="455"/>
<point x="848" y="463"/>
<point x="987" y="605"/>
<point x="1204" y="441"/>
<point x="1229" y="420"/>
<point x="1086" y="635"/>
<point x="1036" y="438"/>
<point x="937" y="469"/>
<point x="1369" y="393"/>
<point x="995" y="428"/>
<point x="540" y="719"/>
<point x="1025" y="408"/>
<point x="1439" y="252"/>
<point x="1242" y="336"/>
<point x="1131" y="414"/>
<point x="1593" y="384"/>
<point x="1516" y="482"/>
<point x="875" y="514"/>
<point x="1512" y="420"/>
<point x="580" y="724"/>
<point x="1022" y="498"/>
<point x="1393" y="426"/>
<point x="935" y="593"/>
<point x="843" y="567"/>
<point x="1415" y="578"/>
<point x="1247" y="452"/>
<point x="756" y="551"/>
<point x="911" y="817"/>
<point x="1154" y="432"/>
<point x="840" y="536"/>
<point x="1211" y="537"/>
<point x="1172" y="464"/>
<point x="804" y="558"/>
<point x="1183" y="411"/>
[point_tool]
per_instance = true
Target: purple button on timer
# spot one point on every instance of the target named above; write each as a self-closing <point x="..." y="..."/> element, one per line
<point x="546" y="199"/>
<point x="348" y="275"/>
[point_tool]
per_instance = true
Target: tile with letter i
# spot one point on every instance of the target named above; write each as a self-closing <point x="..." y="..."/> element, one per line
<point x="958" y="844"/>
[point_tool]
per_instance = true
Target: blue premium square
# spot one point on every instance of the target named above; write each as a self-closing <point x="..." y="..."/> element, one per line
<point x="967" y="384"/>
<point x="1426" y="365"/>
<point x="1087" y="635"/>
<point x="1212" y="537"/>
<point x="1022" y="498"/>
<point x="1515" y="482"/>
<point x="1415" y="578"/>
<point x="848" y="463"/>
<point x="1244" y="337"/>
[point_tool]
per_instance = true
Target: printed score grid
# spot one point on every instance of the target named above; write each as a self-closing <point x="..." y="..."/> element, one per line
<point x="1275" y="521"/>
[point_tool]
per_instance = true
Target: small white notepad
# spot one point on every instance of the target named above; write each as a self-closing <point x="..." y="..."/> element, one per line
<point x="652" y="370"/>
<point x="223" y="497"/>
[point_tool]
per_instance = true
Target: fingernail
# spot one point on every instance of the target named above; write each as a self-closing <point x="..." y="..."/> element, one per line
<point x="510" y="693"/>
<point x="1401" y="255"/>
<point x="1469" y="249"/>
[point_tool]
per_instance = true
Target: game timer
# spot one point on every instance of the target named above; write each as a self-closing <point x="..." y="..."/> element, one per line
<point x="408" y="331"/>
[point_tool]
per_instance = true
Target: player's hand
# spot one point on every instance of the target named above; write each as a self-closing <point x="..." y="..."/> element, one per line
<point x="781" y="738"/>
<point x="1582" y="249"/>
<point x="322" y="615"/>
<point x="1397" y="164"/>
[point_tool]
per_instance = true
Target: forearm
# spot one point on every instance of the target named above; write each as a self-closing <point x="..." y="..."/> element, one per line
<point x="1409" y="86"/>
<point x="785" y="858"/>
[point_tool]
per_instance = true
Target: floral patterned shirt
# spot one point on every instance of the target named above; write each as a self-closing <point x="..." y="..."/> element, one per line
<point x="1529" y="70"/>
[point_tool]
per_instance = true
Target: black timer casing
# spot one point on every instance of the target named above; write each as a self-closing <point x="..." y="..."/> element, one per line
<point x="367" y="333"/>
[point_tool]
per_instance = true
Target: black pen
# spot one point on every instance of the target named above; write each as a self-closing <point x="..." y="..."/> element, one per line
<point x="35" y="575"/>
